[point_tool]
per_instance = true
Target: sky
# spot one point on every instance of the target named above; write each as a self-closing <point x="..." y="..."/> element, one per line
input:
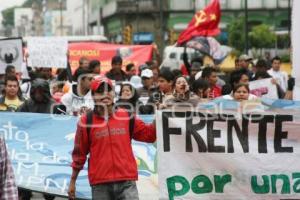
<point x="9" y="3"/>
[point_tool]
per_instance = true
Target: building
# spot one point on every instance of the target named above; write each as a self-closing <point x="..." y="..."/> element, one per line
<point x="151" y="20"/>
<point x="23" y="21"/>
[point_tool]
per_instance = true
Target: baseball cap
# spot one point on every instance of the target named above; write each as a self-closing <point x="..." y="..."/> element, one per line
<point x="245" y="57"/>
<point x="98" y="81"/>
<point x="136" y="81"/>
<point x="147" y="73"/>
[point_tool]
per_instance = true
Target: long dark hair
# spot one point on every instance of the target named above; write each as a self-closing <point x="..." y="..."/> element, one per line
<point x="135" y="97"/>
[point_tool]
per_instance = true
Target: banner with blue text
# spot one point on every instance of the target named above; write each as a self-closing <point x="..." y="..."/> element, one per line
<point x="40" y="147"/>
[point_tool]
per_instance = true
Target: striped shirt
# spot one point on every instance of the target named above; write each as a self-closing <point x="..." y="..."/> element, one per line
<point x="8" y="188"/>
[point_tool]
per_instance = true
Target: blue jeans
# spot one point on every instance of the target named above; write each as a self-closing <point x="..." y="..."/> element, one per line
<point x="123" y="190"/>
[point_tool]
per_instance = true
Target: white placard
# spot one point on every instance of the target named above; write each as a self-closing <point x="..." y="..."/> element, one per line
<point x="264" y="88"/>
<point x="47" y="52"/>
<point x="11" y="54"/>
<point x="223" y="157"/>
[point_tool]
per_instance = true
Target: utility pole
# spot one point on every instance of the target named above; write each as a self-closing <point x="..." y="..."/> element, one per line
<point x="162" y="31"/>
<point x="137" y="20"/>
<point x="246" y="27"/>
<point x="289" y="17"/>
<point x="61" y="16"/>
<point x="83" y="18"/>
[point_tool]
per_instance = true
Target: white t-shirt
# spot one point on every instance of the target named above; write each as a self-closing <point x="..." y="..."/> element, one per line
<point x="230" y="97"/>
<point x="281" y="77"/>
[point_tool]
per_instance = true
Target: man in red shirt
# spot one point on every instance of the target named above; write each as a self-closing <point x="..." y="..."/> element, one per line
<point x="105" y="134"/>
<point x="210" y="74"/>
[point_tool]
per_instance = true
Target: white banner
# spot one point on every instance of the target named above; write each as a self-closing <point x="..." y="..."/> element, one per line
<point x="47" y="52"/>
<point x="11" y="54"/>
<point x="296" y="47"/>
<point x="264" y="88"/>
<point x="224" y="157"/>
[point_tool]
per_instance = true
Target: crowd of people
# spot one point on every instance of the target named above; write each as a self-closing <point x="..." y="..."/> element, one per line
<point x="139" y="90"/>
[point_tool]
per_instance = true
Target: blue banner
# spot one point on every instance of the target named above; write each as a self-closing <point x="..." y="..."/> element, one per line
<point x="40" y="147"/>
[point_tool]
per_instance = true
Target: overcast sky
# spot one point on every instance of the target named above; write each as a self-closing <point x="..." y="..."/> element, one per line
<point x="9" y="3"/>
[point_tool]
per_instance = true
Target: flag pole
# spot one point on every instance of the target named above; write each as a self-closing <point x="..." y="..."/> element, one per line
<point x="246" y="27"/>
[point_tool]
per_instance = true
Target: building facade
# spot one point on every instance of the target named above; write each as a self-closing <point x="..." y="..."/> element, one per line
<point x="151" y="20"/>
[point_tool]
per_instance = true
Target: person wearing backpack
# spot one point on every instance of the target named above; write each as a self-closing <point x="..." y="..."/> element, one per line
<point x="105" y="134"/>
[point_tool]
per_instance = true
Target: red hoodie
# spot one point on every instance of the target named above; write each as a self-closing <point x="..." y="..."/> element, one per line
<point x="111" y="157"/>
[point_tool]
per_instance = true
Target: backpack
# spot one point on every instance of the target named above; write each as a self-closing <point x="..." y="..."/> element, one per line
<point x="89" y="122"/>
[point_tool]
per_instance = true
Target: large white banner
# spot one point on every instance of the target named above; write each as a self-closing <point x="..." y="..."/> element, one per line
<point x="296" y="47"/>
<point x="11" y="54"/>
<point x="225" y="157"/>
<point x="47" y="52"/>
<point x="264" y="88"/>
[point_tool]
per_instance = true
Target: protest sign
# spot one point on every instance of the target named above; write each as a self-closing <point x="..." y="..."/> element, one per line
<point x="296" y="48"/>
<point x="136" y="54"/>
<point x="40" y="147"/>
<point x="11" y="54"/>
<point x="263" y="88"/>
<point x="224" y="157"/>
<point x="47" y="52"/>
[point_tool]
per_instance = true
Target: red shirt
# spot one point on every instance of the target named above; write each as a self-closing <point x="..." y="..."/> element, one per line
<point x="216" y="90"/>
<point x="109" y="145"/>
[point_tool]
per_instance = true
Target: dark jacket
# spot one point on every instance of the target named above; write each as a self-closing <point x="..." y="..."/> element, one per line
<point x="34" y="106"/>
<point x="117" y="76"/>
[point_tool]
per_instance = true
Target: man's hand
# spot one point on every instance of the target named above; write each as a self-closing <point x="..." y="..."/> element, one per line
<point x="72" y="190"/>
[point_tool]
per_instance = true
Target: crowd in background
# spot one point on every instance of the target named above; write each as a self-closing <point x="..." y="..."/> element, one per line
<point x="140" y="89"/>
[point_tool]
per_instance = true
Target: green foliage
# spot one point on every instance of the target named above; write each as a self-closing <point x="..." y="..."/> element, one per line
<point x="286" y="58"/>
<point x="8" y="17"/>
<point x="236" y="36"/>
<point x="28" y="3"/>
<point x="262" y="37"/>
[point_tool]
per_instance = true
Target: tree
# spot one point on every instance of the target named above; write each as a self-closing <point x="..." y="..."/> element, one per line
<point x="261" y="37"/>
<point x="236" y="36"/>
<point x="8" y="17"/>
<point x="28" y="3"/>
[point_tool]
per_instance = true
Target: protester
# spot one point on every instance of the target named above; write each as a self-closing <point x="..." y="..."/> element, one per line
<point x="40" y="102"/>
<point x="281" y="77"/>
<point x="116" y="73"/>
<point x="12" y="97"/>
<point x="210" y="75"/>
<point x="244" y="63"/>
<point x="112" y="167"/>
<point x="142" y="67"/>
<point x="45" y="73"/>
<point x="181" y="96"/>
<point x="94" y="67"/>
<point x="147" y="81"/>
<point x="202" y="89"/>
<point x="40" y="98"/>
<point x="84" y="63"/>
<point x="155" y="71"/>
<point x="57" y="90"/>
<point x="79" y="99"/>
<point x="241" y="92"/>
<point x="130" y="70"/>
<point x="10" y="70"/>
<point x="236" y="77"/>
<point x="129" y="98"/>
<point x="8" y="188"/>
<point x="261" y="66"/>
<point x="165" y="87"/>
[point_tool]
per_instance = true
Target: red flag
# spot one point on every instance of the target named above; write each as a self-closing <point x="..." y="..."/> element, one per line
<point x="204" y="23"/>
